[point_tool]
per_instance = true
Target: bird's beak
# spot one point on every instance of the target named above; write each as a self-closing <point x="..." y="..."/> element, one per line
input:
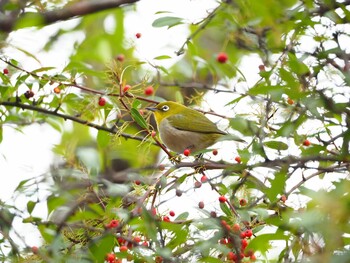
<point x="151" y="108"/>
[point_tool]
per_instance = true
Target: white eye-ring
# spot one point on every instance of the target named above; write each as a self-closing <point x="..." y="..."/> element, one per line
<point x="165" y="108"/>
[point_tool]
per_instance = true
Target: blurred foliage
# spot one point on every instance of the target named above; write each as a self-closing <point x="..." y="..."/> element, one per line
<point x="283" y="198"/>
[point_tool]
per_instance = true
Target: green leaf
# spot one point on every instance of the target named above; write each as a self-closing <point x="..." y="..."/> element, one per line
<point x="258" y="148"/>
<point x="246" y="127"/>
<point x="264" y="89"/>
<point x="289" y="127"/>
<point x="21" y="184"/>
<point x="26" y="53"/>
<point x="55" y="123"/>
<point x="162" y="57"/>
<point x="136" y="104"/>
<point x="29" y="19"/>
<point x="99" y="248"/>
<point x="262" y="242"/>
<point x="210" y="260"/>
<point x="313" y="150"/>
<point x="182" y="216"/>
<point x="224" y="208"/>
<point x="42" y="69"/>
<point x="53" y="202"/>
<point x="138" y="118"/>
<point x="277" y="185"/>
<point x="296" y="65"/>
<point x="30" y="206"/>
<point x="277" y="145"/>
<point x="168" y="21"/>
<point x="163" y="69"/>
<point x="103" y="138"/>
<point x="47" y="232"/>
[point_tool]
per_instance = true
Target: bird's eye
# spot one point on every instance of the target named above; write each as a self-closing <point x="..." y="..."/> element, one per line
<point x="165" y="108"/>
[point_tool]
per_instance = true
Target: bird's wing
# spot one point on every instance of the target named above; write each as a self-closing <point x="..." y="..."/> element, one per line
<point x="199" y="123"/>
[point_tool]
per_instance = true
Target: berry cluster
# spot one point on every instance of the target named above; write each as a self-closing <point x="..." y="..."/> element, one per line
<point x="124" y="244"/>
<point x="237" y="241"/>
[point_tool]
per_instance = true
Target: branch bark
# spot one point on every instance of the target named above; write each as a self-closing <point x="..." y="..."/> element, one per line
<point x="80" y="8"/>
<point x="112" y="130"/>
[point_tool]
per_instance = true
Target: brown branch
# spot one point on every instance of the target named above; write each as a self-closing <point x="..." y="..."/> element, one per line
<point x="69" y="117"/>
<point x="80" y="8"/>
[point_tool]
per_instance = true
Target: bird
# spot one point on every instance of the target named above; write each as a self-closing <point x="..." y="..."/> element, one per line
<point x="182" y="128"/>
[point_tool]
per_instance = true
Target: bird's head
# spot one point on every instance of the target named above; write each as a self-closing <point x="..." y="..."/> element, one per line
<point x="166" y="109"/>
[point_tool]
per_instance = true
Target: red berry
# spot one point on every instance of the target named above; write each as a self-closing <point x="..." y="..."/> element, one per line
<point x="137" y="182"/>
<point x="283" y="198"/>
<point x="102" y="101"/>
<point x="215" y="152"/>
<point x="261" y="68"/>
<point x="114" y="223"/>
<point x="126" y="88"/>
<point x="149" y="90"/>
<point x="244" y="243"/>
<point x="222" y="199"/>
<point x="110" y="258"/>
<point x="5" y="71"/>
<point x="161" y="167"/>
<point x="57" y="90"/>
<point x="201" y="204"/>
<point x="137" y="239"/>
<point x="123" y="248"/>
<point x="223" y="241"/>
<point x="223" y="223"/>
<point x="222" y="57"/>
<point x="253" y="257"/>
<point x="197" y="184"/>
<point x="187" y="152"/>
<point x="238" y="159"/>
<point x="158" y="259"/>
<point x="236" y="228"/>
<point x="204" y="179"/>
<point x="242" y="202"/>
<point x="248" y="233"/>
<point x="35" y="249"/>
<point x="121" y="241"/>
<point x="153" y="134"/>
<point x="121" y="57"/>
<point x="212" y="214"/>
<point x="153" y="211"/>
<point x="231" y="256"/>
<point x="249" y="253"/>
<point x="166" y="219"/>
<point x="242" y="234"/>
<point x="172" y="213"/>
<point x="138" y="35"/>
<point x="290" y="101"/>
<point x="145" y="243"/>
<point x="306" y="143"/>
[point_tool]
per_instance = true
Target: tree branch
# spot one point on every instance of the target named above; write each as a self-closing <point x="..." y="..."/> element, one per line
<point x="69" y="117"/>
<point x="80" y="8"/>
